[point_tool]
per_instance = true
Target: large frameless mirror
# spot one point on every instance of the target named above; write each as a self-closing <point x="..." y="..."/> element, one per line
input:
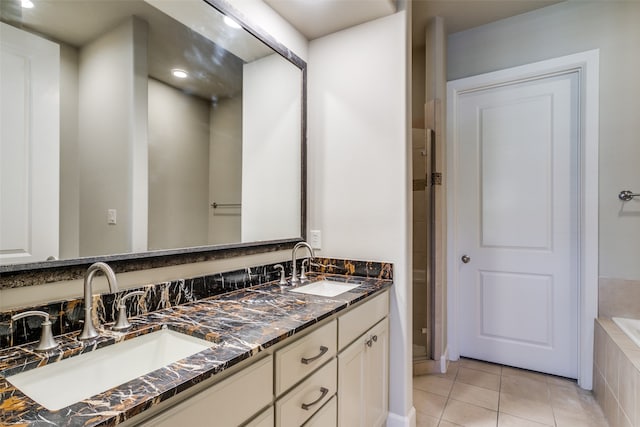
<point x="144" y="127"/>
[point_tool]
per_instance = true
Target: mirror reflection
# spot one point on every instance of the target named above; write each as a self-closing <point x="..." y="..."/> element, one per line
<point x="134" y="126"/>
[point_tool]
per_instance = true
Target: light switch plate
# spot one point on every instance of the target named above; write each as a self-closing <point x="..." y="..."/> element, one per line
<point x="315" y="239"/>
<point x="112" y="216"/>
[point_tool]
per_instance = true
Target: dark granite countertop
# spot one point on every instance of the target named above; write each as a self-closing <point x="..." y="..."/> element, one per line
<point x="238" y="324"/>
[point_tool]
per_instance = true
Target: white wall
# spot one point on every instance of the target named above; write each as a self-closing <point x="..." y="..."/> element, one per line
<point x="111" y="100"/>
<point x="69" y="166"/>
<point x="178" y="168"/>
<point x="225" y="169"/>
<point x="563" y="29"/>
<point x="358" y="167"/>
<point x="271" y="129"/>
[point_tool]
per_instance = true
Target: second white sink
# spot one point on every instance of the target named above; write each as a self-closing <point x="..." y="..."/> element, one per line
<point x="60" y="384"/>
<point x="325" y="288"/>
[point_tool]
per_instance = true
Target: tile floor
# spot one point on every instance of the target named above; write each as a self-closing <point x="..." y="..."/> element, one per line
<point x="479" y="394"/>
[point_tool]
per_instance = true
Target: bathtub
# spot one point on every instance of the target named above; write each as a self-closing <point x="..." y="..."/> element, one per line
<point x="631" y="327"/>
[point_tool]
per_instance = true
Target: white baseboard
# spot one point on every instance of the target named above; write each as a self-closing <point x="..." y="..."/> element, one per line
<point x="409" y="420"/>
<point x="444" y="360"/>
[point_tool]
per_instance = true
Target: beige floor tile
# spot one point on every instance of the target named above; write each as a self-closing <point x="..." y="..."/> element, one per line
<point x="525" y="407"/>
<point x="523" y="386"/>
<point x="514" y="372"/>
<point x="433" y="384"/>
<point x="428" y="403"/>
<point x="478" y="378"/>
<point x="565" y="398"/>
<point x="566" y="418"/>
<point x="468" y="415"/>
<point x="475" y="395"/>
<point x="423" y="420"/>
<point x="507" y="420"/>
<point x="524" y="398"/>
<point x="479" y="365"/>
<point x="452" y="371"/>
<point x="561" y="382"/>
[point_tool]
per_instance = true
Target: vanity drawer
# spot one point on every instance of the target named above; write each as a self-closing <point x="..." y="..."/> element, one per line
<point x="252" y="386"/>
<point x="357" y="321"/>
<point x="311" y="394"/>
<point x="300" y="358"/>
<point x="327" y="416"/>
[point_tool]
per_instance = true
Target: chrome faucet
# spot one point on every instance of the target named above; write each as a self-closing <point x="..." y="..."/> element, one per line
<point x="294" y="276"/>
<point x="89" y="329"/>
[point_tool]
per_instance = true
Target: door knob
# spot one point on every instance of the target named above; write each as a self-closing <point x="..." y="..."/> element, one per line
<point x="465" y="259"/>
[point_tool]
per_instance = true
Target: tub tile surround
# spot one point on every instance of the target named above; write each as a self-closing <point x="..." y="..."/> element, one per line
<point x="239" y="324"/>
<point x="616" y="374"/>
<point x="68" y="316"/>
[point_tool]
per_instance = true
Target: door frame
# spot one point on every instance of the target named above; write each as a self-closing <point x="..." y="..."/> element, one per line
<point x="586" y="64"/>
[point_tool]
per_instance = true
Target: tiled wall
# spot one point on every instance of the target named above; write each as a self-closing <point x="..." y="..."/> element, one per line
<point x="616" y="375"/>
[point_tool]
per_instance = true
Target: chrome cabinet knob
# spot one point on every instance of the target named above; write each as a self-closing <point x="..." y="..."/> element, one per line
<point x="465" y="259"/>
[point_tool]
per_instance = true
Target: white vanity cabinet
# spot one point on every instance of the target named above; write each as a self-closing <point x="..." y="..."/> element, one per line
<point x="265" y="419"/>
<point x="230" y="402"/>
<point x="363" y="365"/>
<point x="311" y="362"/>
<point x="335" y="374"/>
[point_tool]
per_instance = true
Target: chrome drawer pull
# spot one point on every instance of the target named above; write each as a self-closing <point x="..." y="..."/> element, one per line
<point x="306" y="361"/>
<point x="324" y="392"/>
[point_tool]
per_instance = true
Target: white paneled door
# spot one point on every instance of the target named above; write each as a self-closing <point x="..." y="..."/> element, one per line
<point x="517" y="223"/>
<point x="29" y="146"/>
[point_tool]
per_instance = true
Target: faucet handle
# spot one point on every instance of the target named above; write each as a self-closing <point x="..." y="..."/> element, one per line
<point x="122" y="323"/>
<point x="283" y="280"/>
<point x="47" y="342"/>
<point x="303" y="275"/>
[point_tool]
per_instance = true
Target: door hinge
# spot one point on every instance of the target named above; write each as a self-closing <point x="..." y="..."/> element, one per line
<point x="436" y="178"/>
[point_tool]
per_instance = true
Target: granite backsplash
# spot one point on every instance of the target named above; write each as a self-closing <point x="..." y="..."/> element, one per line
<point x="68" y="316"/>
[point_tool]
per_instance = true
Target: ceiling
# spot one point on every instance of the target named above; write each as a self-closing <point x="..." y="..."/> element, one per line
<point x="317" y="18"/>
<point x="176" y="39"/>
<point x="460" y="15"/>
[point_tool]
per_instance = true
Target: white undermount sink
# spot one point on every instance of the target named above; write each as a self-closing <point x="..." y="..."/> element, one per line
<point x="68" y="381"/>
<point x="325" y="288"/>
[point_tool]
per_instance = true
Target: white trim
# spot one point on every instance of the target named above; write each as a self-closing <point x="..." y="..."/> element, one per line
<point x="587" y="66"/>
<point x="395" y="420"/>
<point x="444" y="358"/>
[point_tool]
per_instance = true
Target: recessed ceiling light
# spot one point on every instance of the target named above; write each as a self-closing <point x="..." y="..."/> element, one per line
<point x="27" y="4"/>
<point x="181" y="74"/>
<point x="230" y="22"/>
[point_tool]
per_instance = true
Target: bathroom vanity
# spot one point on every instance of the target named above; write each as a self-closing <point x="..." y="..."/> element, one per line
<point x="277" y="357"/>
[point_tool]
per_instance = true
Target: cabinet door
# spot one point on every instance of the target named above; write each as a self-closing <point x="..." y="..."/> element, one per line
<point x="363" y="378"/>
<point x="376" y="376"/>
<point x="351" y="393"/>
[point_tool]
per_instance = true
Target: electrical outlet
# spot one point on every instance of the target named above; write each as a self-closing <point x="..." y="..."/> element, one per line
<point x="315" y="239"/>
<point x="112" y="216"/>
